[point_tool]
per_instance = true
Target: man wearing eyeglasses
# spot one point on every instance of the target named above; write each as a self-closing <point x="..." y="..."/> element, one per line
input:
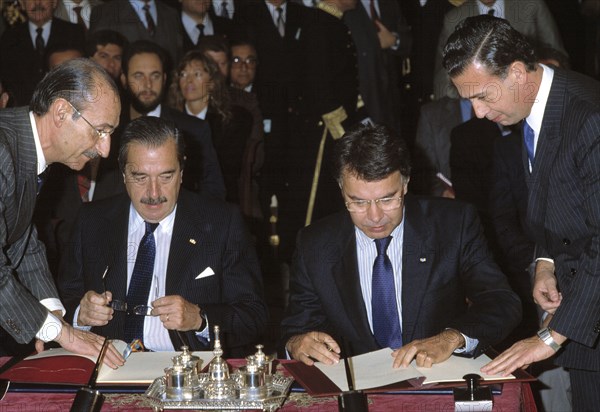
<point x="393" y="270"/>
<point x="73" y="111"/>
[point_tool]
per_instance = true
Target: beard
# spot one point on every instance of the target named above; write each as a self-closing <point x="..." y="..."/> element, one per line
<point x="147" y="106"/>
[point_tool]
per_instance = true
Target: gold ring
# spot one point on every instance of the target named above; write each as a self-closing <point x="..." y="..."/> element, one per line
<point x="167" y="317"/>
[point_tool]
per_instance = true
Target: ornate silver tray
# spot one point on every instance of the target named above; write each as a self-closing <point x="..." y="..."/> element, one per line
<point x="277" y="390"/>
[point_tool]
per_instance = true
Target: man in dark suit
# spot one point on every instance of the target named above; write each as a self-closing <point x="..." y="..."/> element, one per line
<point x="198" y="20"/>
<point x="159" y="23"/>
<point x="23" y="47"/>
<point x="74" y="110"/>
<point x="204" y="270"/>
<point x="436" y="260"/>
<point x="492" y="64"/>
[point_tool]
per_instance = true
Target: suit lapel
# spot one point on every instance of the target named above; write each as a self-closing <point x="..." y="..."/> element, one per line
<point x="347" y="279"/>
<point x="417" y="256"/>
<point x="118" y="250"/>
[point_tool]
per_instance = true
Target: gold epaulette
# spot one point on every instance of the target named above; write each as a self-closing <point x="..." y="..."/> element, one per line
<point x="330" y="9"/>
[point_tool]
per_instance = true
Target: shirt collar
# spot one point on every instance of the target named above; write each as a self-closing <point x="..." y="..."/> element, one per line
<point x="155" y="113"/>
<point x="201" y="115"/>
<point x="536" y="116"/>
<point x="165" y="225"/>
<point x="45" y="31"/>
<point x="41" y="159"/>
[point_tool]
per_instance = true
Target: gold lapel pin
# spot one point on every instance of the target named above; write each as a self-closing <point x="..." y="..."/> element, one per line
<point x="193" y="241"/>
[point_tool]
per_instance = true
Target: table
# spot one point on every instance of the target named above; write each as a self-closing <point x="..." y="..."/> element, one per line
<point x="515" y="396"/>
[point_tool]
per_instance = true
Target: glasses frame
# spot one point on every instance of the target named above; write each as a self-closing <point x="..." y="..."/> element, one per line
<point x="102" y="134"/>
<point x="377" y="203"/>
<point x="248" y="61"/>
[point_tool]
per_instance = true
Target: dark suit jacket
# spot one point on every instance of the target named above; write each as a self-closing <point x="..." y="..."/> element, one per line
<point x="24" y="273"/>
<point x="221" y="26"/>
<point x="564" y="211"/>
<point x="445" y="261"/>
<point x="232" y="298"/>
<point x="378" y="69"/>
<point x="278" y="68"/>
<point x="120" y="16"/>
<point x="202" y="171"/>
<point x="20" y="66"/>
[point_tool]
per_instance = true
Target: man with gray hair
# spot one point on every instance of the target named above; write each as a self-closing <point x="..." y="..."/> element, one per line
<point x="72" y="114"/>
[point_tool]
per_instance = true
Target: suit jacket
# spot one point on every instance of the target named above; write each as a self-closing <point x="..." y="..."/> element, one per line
<point x="278" y="69"/>
<point x="231" y="298"/>
<point x="222" y="27"/>
<point x="24" y="273"/>
<point x="120" y="16"/>
<point x="202" y="171"/>
<point x="531" y="18"/>
<point x="563" y="211"/>
<point x="432" y="144"/>
<point x="62" y="13"/>
<point x="20" y="66"/>
<point x="378" y="69"/>
<point x="445" y="261"/>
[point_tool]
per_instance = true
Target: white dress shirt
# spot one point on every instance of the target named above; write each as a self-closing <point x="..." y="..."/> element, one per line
<point x="191" y="28"/>
<point x="86" y="10"/>
<point x="536" y="116"/>
<point x="138" y="7"/>
<point x="218" y="6"/>
<point x="45" y="32"/>
<point x="498" y="7"/>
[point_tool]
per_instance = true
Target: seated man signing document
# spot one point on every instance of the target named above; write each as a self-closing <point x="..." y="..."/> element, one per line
<point x="393" y="270"/>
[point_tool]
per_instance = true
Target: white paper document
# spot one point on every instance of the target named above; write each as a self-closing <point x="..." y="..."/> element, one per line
<point x="374" y="369"/>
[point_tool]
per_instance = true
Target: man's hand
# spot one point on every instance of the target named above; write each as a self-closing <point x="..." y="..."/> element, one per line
<point x="94" y="309"/>
<point x="314" y="346"/>
<point x="177" y="313"/>
<point x="88" y="343"/>
<point x="428" y="351"/>
<point x="545" y="291"/>
<point x="521" y="355"/>
<point x="387" y="39"/>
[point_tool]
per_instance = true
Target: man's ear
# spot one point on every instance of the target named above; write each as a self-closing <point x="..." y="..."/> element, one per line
<point x="60" y="111"/>
<point x="519" y="72"/>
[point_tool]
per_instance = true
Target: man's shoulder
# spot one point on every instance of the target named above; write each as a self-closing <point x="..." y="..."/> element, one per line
<point x="330" y="229"/>
<point x="432" y="208"/>
<point x="579" y="86"/>
<point x="184" y="121"/>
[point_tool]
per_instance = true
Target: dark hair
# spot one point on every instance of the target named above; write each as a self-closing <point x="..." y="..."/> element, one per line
<point x="102" y="38"/>
<point x="219" y="96"/>
<point x="371" y="153"/>
<point x="76" y="81"/>
<point x="214" y="44"/>
<point x="150" y="132"/>
<point x="144" y="46"/>
<point x="490" y="41"/>
<point x="60" y="48"/>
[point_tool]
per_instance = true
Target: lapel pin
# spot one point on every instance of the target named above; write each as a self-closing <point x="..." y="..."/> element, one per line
<point x="422" y="260"/>
<point x="193" y="241"/>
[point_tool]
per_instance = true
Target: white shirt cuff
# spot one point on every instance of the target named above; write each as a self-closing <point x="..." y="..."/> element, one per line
<point x="50" y="329"/>
<point x="53" y="304"/>
<point x="545" y="259"/>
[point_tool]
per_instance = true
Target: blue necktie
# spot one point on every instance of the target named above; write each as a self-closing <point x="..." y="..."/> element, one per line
<point x="386" y="322"/>
<point x="139" y="286"/>
<point x="528" y="137"/>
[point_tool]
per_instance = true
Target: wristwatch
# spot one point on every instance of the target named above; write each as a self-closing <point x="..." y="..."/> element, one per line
<point x="203" y="317"/>
<point x="546" y="336"/>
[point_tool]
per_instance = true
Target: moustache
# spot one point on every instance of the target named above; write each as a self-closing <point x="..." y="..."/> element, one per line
<point x="91" y="154"/>
<point x="152" y="201"/>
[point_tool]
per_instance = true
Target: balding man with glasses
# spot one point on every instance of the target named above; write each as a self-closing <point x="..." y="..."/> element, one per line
<point x="73" y="111"/>
<point x="393" y="270"/>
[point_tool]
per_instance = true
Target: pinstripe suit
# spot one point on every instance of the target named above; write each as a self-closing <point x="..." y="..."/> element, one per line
<point x="206" y="233"/>
<point x="24" y="275"/>
<point x="564" y="211"/>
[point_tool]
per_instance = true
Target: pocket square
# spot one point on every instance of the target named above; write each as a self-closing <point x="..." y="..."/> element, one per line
<point x="205" y="273"/>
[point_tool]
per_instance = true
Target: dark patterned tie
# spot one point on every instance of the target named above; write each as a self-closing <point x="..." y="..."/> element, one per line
<point x="77" y="10"/>
<point x="373" y="10"/>
<point x="491" y="12"/>
<point x="139" y="286"/>
<point x="200" y="27"/>
<point x="224" y="12"/>
<point x="40" y="45"/>
<point x="280" y="22"/>
<point x="528" y="138"/>
<point x="386" y="322"/>
<point x="151" y="26"/>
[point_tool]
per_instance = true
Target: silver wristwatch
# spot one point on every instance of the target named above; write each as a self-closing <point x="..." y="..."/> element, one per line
<point x="546" y="337"/>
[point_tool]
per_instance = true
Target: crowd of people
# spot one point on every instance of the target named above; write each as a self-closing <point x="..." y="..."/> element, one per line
<point x="158" y="156"/>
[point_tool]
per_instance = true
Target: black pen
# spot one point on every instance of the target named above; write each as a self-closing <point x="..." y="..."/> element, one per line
<point x="94" y="377"/>
<point x="103" y="283"/>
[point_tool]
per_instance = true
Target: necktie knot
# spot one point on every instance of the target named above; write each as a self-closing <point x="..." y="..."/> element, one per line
<point x="224" y="11"/>
<point x="150" y="227"/>
<point x="491" y="12"/>
<point x="382" y="245"/>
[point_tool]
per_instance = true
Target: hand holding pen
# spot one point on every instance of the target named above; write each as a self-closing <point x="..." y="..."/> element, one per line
<point x="94" y="309"/>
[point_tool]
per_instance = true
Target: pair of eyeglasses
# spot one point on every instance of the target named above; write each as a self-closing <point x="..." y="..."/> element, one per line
<point x="249" y="61"/>
<point x="139" y="310"/>
<point x="385" y="203"/>
<point x="101" y="133"/>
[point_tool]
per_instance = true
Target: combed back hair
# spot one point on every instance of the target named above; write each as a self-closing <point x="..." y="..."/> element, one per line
<point x="76" y="81"/>
<point x="219" y="96"/>
<point x="151" y="132"/>
<point x="214" y="44"/>
<point x="490" y="41"/>
<point x="371" y="153"/>
<point x="102" y="38"/>
<point x="141" y="47"/>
